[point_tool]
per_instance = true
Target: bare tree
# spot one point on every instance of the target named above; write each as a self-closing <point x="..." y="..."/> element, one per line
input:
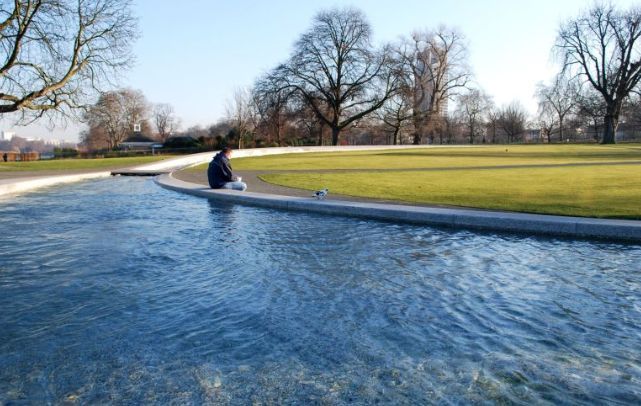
<point x="272" y="104"/>
<point x="492" y="117"/>
<point x="471" y="108"/>
<point x="136" y="110"/>
<point x="106" y="121"/>
<point x="512" y="120"/>
<point x="632" y="113"/>
<point x="56" y="53"/>
<point x="433" y="68"/>
<point x="305" y="117"/>
<point x="113" y="117"/>
<point x="592" y="109"/>
<point x="395" y="114"/>
<point x="93" y="139"/>
<point x="547" y="120"/>
<point x="217" y="133"/>
<point x="601" y="47"/>
<point x="336" y="70"/>
<point x="560" y="97"/>
<point x="451" y="128"/>
<point x="165" y="120"/>
<point x="241" y="114"/>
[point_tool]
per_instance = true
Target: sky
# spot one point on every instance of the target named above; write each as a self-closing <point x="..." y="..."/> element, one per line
<point x="193" y="54"/>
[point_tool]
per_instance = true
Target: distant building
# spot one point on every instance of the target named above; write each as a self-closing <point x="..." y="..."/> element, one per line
<point x="427" y="65"/>
<point x="14" y="156"/>
<point x="6" y="135"/>
<point x="138" y="142"/>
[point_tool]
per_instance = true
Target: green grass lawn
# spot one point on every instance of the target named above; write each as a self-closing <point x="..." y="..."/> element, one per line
<point x="612" y="191"/>
<point x="77" y="164"/>
<point x="605" y="191"/>
<point x="443" y="157"/>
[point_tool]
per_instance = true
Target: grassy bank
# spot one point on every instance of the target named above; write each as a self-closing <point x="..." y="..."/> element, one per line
<point x="598" y="181"/>
<point x="604" y="191"/>
<point x="77" y="164"/>
<point x="444" y="157"/>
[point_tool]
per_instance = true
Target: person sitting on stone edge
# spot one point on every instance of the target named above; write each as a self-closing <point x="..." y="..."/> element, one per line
<point x="220" y="175"/>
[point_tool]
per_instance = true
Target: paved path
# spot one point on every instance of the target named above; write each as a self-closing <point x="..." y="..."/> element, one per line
<point x="255" y="184"/>
<point x="626" y="230"/>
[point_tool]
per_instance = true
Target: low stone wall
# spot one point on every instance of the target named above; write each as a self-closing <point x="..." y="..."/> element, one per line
<point x="14" y="186"/>
<point x="620" y="230"/>
<point x="196" y="159"/>
<point x="10" y="187"/>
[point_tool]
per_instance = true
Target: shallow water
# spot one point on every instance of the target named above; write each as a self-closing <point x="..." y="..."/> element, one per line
<point x="117" y="291"/>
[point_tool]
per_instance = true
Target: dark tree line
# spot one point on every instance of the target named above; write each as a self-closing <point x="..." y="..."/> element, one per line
<point x="59" y="56"/>
<point x="600" y="49"/>
<point x="336" y="80"/>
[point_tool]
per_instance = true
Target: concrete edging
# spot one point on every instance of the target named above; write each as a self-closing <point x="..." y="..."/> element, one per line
<point x="620" y="230"/>
<point x="16" y="186"/>
<point x="203" y="157"/>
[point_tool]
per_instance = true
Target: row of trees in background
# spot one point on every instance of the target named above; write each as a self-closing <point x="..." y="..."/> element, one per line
<point x="336" y="87"/>
<point x="116" y="114"/>
<point x="336" y="81"/>
<point x="598" y="84"/>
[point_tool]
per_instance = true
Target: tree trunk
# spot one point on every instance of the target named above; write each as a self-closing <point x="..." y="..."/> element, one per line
<point x="278" y="135"/>
<point x="596" y="130"/>
<point x="416" y="136"/>
<point x="395" y="136"/>
<point x="561" y="129"/>
<point x="609" y="129"/>
<point x="335" y="133"/>
<point x="417" y="131"/>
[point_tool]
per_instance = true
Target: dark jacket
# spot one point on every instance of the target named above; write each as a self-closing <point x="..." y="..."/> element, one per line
<point x="219" y="171"/>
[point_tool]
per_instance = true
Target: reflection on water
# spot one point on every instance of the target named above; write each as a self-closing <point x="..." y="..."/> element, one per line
<point x="119" y="291"/>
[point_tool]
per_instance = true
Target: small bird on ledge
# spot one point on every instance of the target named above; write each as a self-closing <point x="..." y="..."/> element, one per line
<point x="320" y="194"/>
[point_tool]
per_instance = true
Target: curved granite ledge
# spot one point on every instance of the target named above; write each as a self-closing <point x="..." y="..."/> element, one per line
<point x="522" y="223"/>
<point x="9" y="187"/>
<point x="203" y="157"/>
<point x="13" y="186"/>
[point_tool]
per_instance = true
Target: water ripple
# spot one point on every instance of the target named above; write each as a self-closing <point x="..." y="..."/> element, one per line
<point x="116" y="291"/>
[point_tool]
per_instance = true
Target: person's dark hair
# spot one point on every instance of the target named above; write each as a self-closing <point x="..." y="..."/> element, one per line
<point x="226" y="150"/>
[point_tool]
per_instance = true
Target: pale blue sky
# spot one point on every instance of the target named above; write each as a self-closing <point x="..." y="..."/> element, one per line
<point x="193" y="54"/>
